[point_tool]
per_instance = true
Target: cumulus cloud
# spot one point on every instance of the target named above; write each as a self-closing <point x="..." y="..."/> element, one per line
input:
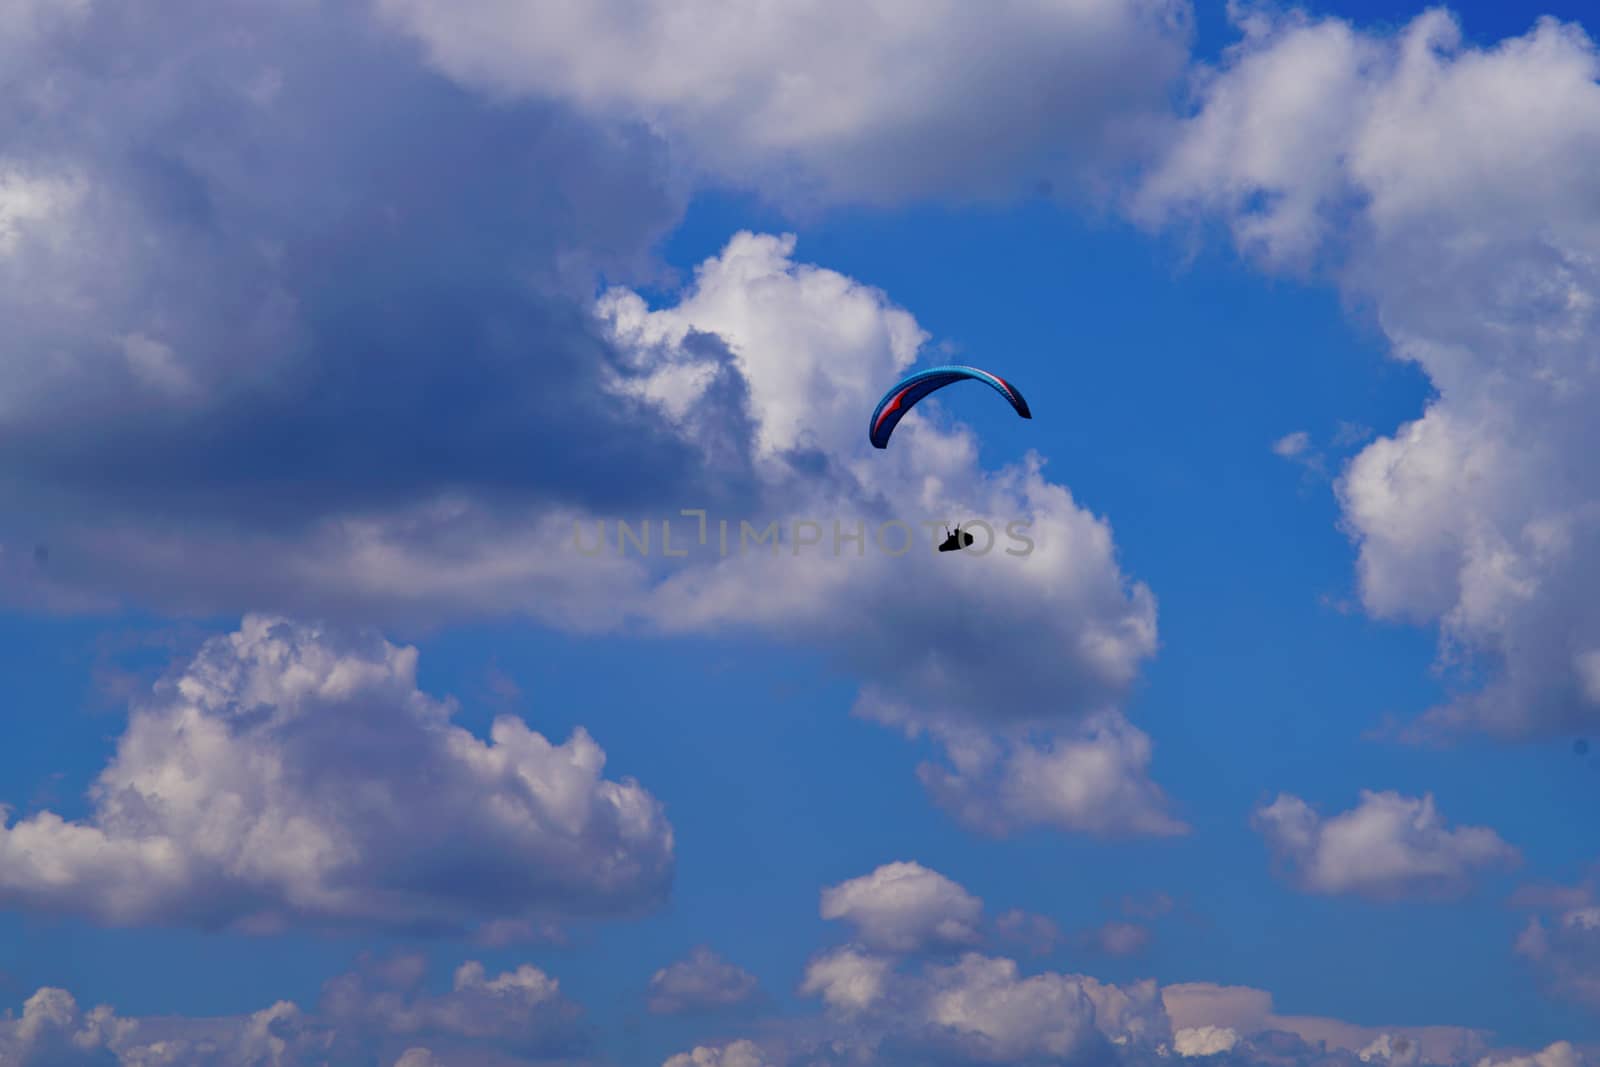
<point x="847" y="979"/>
<point x="303" y="362"/>
<point x="733" y="1054"/>
<point x="521" y="1011"/>
<point x="1558" y="1054"/>
<point x="1238" y="1021"/>
<point x="53" y="1029"/>
<point x="889" y="994"/>
<point x="372" y="1016"/>
<point x="303" y="378"/>
<point x="1051" y="637"/>
<point x="825" y="100"/>
<point x="904" y="907"/>
<point x="1387" y="846"/>
<point x="1204" y="1041"/>
<point x="975" y="1008"/>
<point x="1448" y="187"/>
<point x="271" y="303"/>
<point x="701" y="982"/>
<point x="291" y="773"/>
<point x="1092" y="779"/>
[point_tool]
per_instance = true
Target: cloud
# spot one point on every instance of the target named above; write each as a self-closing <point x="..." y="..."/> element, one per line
<point x="1559" y="1054"/>
<point x="702" y="982"/>
<point x="733" y="1054"/>
<point x="417" y="1057"/>
<point x="1204" y="1041"/>
<point x="374" y="1015"/>
<point x="1120" y="938"/>
<point x="905" y="907"/>
<point x="888" y="993"/>
<point x="983" y="1006"/>
<point x="298" y="357"/>
<point x="795" y="99"/>
<point x="1561" y="941"/>
<point x="54" y="1030"/>
<point x="1446" y="186"/>
<point x="847" y="979"/>
<point x="973" y="1009"/>
<point x="1093" y="779"/>
<point x="1206" y="1016"/>
<point x="1048" y="639"/>
<point x="521" y="1011"/>
<point x="774" y="356"/>
<point x="291" y="773"/>
<point x="1387" y="847"/>
<point x="304" y="377"/>
<point x="1292" y="445"/>
<point x="1040" y="934"/>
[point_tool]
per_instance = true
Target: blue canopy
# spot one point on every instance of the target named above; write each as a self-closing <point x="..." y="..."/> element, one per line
<point x="911" y="389"/>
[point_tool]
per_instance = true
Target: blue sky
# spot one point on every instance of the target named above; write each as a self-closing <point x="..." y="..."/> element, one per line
<point x="325" y="746"/>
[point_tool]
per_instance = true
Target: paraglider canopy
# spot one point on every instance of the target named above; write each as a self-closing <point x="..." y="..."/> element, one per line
<point x="912" y="388"/>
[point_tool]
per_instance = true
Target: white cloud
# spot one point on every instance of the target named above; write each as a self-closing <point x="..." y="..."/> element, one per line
<point x="733" y="1054"/>
<point x="1449" y="186"/>
<point x="983" y="1009"/>
<point x="510" y="1020"/>
<point x="378" y="366"/>
<point x="270" y="271"/>
<point x="418" y="1057"/>
<point x="826" y="99"/>
<point x="986" y="1004"/>
<point x="1204" y="1041"/>
<point x="1387" y="846"/>
<point x="1291" y="445"/>
<point x="804" y="338"/>
<point x="291" y="773"/>
<point x="156" y="365"/>
<point x="1206" y="1013"/>
<point x="1559" y="1054"/>
<point x="905" y="907"/>
<point x="1092" y="779"/>
<point x="847" y="979"/>
<point x="701" y="982"/>
<point x="1047" y="638"/>
<point x="521" y="1011"/>
<point x="54" y="1030"/>
<point x="30" y="205"/>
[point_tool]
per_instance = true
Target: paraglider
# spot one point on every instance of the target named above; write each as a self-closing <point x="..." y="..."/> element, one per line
<point x="914" y="387"/>
<point x="956" y="540"/>
<point x="911" y="389"/>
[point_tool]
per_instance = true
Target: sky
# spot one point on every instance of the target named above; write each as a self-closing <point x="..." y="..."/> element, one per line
<point x="345" y="727"/>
